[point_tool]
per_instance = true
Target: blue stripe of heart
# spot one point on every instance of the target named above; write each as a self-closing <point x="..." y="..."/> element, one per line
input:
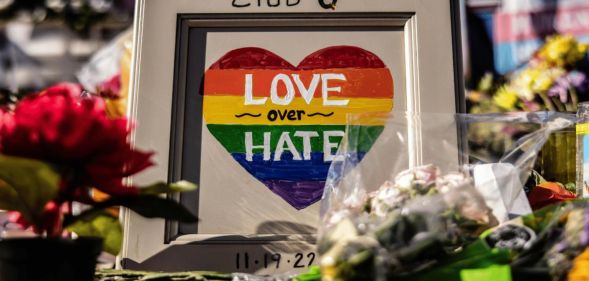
<point x="287" y="169"/>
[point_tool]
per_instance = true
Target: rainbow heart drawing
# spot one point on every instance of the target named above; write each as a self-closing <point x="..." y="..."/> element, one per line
<point x="282" y="123"/>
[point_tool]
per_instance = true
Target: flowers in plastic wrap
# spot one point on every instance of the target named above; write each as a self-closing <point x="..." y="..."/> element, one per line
<point x="406" y="226"/>
<point x="548" y="244"/>
<point x="555" y="79"/>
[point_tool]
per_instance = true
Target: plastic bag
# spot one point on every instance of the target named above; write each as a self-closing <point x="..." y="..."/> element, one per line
<point x="105" y="63"/>
<point x="107" y="74"/>
<point x="382" y="221"/>
<point x="436" y="139"/>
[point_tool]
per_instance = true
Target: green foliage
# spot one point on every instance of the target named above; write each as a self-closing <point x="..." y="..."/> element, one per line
<point x="128" y="275"/>
<point x="97" y="222"/>
<point x="151" y="206"/>
<point x="103" y="225"/>
<point x="314" y="274"/>
<point x="26" y="186"/>
<point x="492" y="273"/>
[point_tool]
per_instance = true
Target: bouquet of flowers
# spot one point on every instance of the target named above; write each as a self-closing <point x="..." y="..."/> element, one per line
<point x="406" y="227"/>
<point x="427" y="226"/>
<point x="555" y="79"/>
<point x="553" y="242"/>
<point x="55" y="146"/>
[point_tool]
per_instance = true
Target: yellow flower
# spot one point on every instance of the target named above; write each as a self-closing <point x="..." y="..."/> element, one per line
<point x="536" y="80"/>
<point x="562" y="50"/>
<point x="580" y="270"/>
<point x="506" y="98"/>
<point x="524" y="82"/>
<point x="546" y="79"/>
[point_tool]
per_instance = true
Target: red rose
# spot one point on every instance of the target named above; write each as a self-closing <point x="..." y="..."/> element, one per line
<point x="61" y="127"/>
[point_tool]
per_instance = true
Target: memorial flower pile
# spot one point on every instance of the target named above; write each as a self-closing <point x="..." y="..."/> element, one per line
<point x="426" y="226"/>
<point x="408" y="225"/>
<point x="55" y="146"/>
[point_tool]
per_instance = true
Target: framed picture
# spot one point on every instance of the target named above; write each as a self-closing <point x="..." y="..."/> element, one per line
<point x="249" y="98"/>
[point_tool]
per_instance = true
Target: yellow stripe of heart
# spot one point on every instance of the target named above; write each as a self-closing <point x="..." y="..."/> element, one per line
<point x="225" y="109"/>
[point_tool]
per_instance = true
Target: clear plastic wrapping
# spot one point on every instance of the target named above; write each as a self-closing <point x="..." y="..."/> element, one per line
<point x="401" y="197"/>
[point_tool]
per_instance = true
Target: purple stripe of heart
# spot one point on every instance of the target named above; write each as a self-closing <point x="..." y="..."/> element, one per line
<point x="299" y="194"/>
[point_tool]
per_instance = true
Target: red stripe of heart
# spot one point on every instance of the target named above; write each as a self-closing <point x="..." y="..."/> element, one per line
<point x="331" y="57"/>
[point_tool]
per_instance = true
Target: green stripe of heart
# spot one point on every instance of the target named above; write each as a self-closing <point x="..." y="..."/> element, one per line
<point x="232" y="137"/>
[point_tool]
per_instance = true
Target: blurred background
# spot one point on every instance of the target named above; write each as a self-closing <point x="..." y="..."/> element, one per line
<point x="519" y="55"/>
<point x="47" y="41"/>
<point x="502" y="36"/>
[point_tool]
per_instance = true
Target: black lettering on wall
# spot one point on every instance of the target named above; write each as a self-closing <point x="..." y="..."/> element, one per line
<point x="275" y="4"/>
<point x="237" y="5"/>
<point x="328" y="4"/>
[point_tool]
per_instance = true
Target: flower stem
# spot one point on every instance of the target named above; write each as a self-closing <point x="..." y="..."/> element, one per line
<point x="574" y="98"/>
<point x="547" y="102"/>
<point x="561" y="107"/>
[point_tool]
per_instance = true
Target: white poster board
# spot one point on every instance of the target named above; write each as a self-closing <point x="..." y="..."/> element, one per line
<point x="259" y="154"/>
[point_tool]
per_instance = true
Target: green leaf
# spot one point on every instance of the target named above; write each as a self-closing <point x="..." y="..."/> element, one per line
<point x="149" y="206"/>
<point x="162" y="187"/>
<point x="26" y="186"/>
<point x="492" y="273"/>
<point x="104" y="226"/>
<point x="572" y="187"/>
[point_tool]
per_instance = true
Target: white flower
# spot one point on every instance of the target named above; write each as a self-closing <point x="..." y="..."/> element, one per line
<point x="387" y="198"/>
<point x="424" y="176"/>
<point x="451" y="181"/>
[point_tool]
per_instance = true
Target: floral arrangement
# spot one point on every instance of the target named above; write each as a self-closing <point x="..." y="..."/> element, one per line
<point x="407" y="226"/>
<point x="558" y="244"/>
<point x="55" y="146"/>
<point x="428" y="226"/>
<point x="555" y="79"/>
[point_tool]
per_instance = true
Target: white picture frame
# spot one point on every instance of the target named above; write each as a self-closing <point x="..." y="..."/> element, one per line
<point x="428" y="78"/>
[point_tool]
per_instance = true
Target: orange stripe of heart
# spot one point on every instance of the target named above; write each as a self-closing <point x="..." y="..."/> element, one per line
<point x="360" y="83"/>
